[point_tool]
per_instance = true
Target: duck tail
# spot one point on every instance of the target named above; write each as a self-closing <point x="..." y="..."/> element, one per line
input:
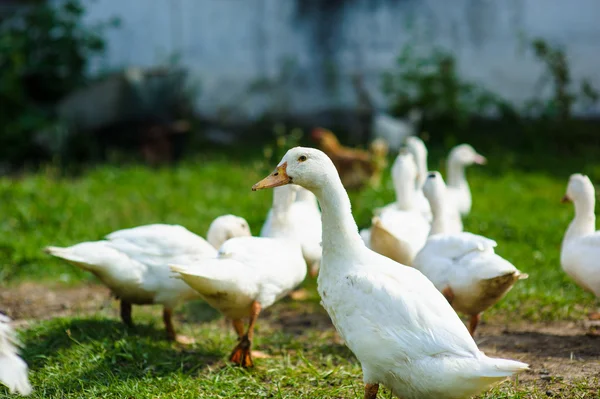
<point x="13" y="373"/>
<point x="498" y="368"/>
<point x="67" y="254"/>
<point x="522" y="276"/>
<point x="13" y="369"/>
<point x="90" y="256"/>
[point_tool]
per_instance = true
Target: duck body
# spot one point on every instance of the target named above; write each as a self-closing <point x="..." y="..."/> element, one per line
<point x="580" y="247"/>
<point x="13" y="369"/>
<point x="579" y="259"/>
<point x="466" y="264"/>
<point x="400" y="327"/>
<point x="391" y="336"/>
<point x="463" y="266"/>
<point x="246" y="269"/>
<point x="133" y="263"/>
<point x="248" y="275"/>
<point x="398" y="234"/>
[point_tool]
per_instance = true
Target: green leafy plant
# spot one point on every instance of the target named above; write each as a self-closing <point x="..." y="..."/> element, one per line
<point x="44" y="53"/>
<point x="431" y="82"/>
<point x="557" y="78"/>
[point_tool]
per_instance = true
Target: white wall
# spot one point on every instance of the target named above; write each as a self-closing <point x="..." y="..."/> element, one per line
<point x="228" y="45"/>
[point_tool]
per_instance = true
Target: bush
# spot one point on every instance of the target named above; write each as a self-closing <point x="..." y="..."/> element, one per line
<point x="432" y="84"/>
<point x="44" y="54"/>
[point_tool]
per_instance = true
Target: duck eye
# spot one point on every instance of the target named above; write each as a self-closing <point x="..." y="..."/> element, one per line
<point x="302" y="158"/>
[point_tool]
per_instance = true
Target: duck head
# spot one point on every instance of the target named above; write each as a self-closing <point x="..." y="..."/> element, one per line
<point x="580" y="186"/>
<point x="225" y="227"/>
<point x="466" y="155"/>
<point x="300" y="165"/>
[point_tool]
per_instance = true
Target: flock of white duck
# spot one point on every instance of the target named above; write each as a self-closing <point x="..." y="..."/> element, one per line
<point x="391" y="291"/>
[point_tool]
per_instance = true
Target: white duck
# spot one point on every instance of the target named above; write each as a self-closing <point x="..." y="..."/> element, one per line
<point x="395" y="130"/>
<point x="249" y="275"/>
<point x="581" y="245"/>
<point x="459" y="193"/>
<point x="416" y="147"/>
<point x="399" y="232"/>
<point x="297" y="220"/>
<point x="13" y="369"/>
<point x="445" y="216"/>
<point x="463" y="266"/>
<point x="133" y="263"/>
<point x="400" y="327"/>
<point x="303" y="195"/>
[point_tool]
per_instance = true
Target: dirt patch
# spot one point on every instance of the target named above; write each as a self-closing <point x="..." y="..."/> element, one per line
<point x="40" y="301"/>
<point x="559" y="353"/>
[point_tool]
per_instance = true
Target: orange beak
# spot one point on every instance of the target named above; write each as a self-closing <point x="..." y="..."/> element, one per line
<point x="565" y="199"/>
<point x="278" y="178"/>
<point x="480" y="159"/>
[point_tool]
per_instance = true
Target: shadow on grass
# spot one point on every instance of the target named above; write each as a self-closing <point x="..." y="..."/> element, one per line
<point x="198" y="312"/>
<point x="107" y="350"/>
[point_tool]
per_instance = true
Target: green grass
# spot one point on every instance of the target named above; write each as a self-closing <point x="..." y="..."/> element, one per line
<point x="516" y="202"/>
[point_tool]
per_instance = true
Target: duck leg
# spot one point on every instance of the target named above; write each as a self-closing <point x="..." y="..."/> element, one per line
<point x="126" y="313"/>
<point x="314" y="269"/>
<point x="171" y="334"/>
<point x="241" y="354"/>
<point x="473" y="322"/>
<point x="371" y="391"/>
<point x="238" y="326"/>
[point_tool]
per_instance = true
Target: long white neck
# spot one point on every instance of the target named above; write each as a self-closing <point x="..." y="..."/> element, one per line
<point x="421" y="160"/>
<point x="283" y="198"/>
<point x="439" y="221"/>
<point x="584" y="222"/>
<point x="456" y="177"/>
<point x="304" y="195"/>
<point x="340" y="233"/>
<point x="405" y="193"/>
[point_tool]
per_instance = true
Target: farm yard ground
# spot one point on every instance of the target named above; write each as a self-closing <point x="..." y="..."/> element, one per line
<point x="77" y="347"/>
<point x="73" y="323"/>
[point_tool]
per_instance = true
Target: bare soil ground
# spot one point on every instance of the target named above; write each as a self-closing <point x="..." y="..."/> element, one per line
<point x="559" y="353"/>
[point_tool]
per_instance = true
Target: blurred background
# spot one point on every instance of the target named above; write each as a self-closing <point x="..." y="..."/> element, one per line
<point x="103" y="80"/>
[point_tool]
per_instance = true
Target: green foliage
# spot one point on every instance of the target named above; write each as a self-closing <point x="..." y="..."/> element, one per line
<point x="432" y="83"/>
<point x="557" y="75"/>
<point x="44" y="54"/>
